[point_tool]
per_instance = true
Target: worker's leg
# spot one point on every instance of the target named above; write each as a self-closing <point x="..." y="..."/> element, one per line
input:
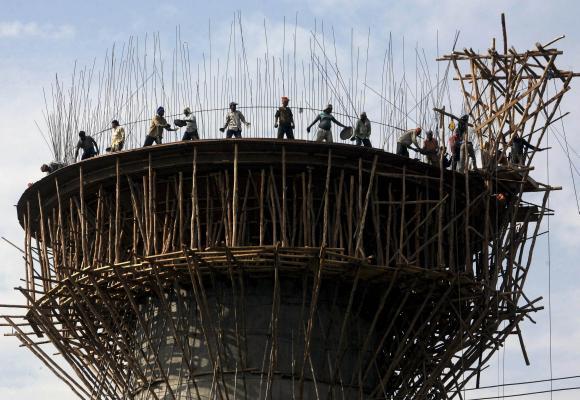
<point x="402" y="150"/>
<point x="329" y="136"/>
<point x="195" y="135"/>
<point x="358" y="142"/>
<point x="238" y="134"/>
<point x="471" y="153"/>
<point x="229" y="134"/>
<point x="367" y="142"/>
<point x="320" y="135"/>
<point x="149" y="140"/>
<point x="289" y="132"/>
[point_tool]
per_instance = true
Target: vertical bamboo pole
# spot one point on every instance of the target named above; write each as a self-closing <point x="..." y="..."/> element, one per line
<point x="234" y="241"/>
<point x="117" y="212"/>
<point x="193" y="240"/>
<point x="283" y="217"/>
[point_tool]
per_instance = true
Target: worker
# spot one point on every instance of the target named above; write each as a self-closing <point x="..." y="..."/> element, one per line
<point x="431" y="149"/>
<point x="286" y="120"/>
<point x="191" y="125"/>
<point x="454" y="149"/>
<point x="362" y="131"/>
<point x="51" y="167"/>
<point x="406" y="140"/>
<point x="520" y="148"/>
<point x="158" y="124"/>
<point x="456" y="141"/>
<point x="234" y="121"/>
<point x="117" y="137"/>
<point x="326" y="119"/>
<point x="89" y="146"/>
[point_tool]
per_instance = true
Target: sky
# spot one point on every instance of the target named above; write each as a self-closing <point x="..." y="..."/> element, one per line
<point x="39" y="39"/>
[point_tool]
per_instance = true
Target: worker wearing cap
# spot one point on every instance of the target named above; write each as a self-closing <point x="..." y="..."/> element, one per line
<point x="158" y="124"/>
<point x="117" y="137"/>
<point x="286" y="119"/>
<point x="191" y="125"/>
<point x="326" y="119"/>
<point x="234" y="121"/>
<point x="406" y="140"/>
<point x="362" y="131"/>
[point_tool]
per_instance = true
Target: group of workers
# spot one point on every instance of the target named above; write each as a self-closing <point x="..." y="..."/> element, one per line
<point x="461" y="149"/>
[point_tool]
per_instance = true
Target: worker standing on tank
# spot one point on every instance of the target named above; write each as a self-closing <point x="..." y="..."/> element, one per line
<point x="326" y="119"/>
<point x="89" y="146"/>
<point x="406" y="140"/>
<point x="520" y="147"/>
<point x="234" y="121"/>
<point x="362" y="131"/>
<point x="117" y="137"/>
<point x="431" y="149"/>
<point x="284" y="120"/>
<point x="191" y="125"/>
<point x="158" y="124"/>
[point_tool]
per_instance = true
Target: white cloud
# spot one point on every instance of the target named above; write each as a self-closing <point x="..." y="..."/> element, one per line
<point x="18" y="29"/>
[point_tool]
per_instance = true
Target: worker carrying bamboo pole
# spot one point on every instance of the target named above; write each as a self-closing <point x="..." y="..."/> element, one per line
<point x="326" y="119"/>
<point x="362" y="131"/>
<point x="89" y="146"/>
<point x="117" y="137"/>
<point x="158" y="124"/>
<point x="431" y="149"/>
<point x="406" y="140"/>
<point x="190" y="125"/>
<point x="284" y="120"/>
<point x="234" y="121"/>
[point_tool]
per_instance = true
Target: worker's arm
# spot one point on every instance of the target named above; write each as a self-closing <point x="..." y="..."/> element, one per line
<point x="291" y="118"/>
<point x="313" y="122"/>
<point x="226" y="123"/>
<point x="243" y="119"/>
<point x="76" y="153"/>
<point x="529" y="145"/>
<point x="276" y="116"/>
<point x="338" y="123"/>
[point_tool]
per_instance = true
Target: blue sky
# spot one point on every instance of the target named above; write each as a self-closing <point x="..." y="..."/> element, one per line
<point x="39" y="39"/>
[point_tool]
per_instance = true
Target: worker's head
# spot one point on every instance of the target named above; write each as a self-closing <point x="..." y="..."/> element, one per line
<point x="233" y="105"/>
<point x="161" y="111"/>
<point x="114" y="123"/>
<point x="328" y="108"/>
<point x="44" y="168"/>
<point x="465" y="118"/>
<point x="363" y="116"/>
<point x="430" y="135"/>
<point x="418" y="130"/>
<point x="285" y="101"/>
<point x="187" y="110"/>
<point x="82" y="134"/>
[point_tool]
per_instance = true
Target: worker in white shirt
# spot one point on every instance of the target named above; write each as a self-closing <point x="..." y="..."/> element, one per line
<point x="117" y="137"/>
<point x="191" y="125"/>
<point x="406" y="140"/>
<point x="234" y="121"/>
